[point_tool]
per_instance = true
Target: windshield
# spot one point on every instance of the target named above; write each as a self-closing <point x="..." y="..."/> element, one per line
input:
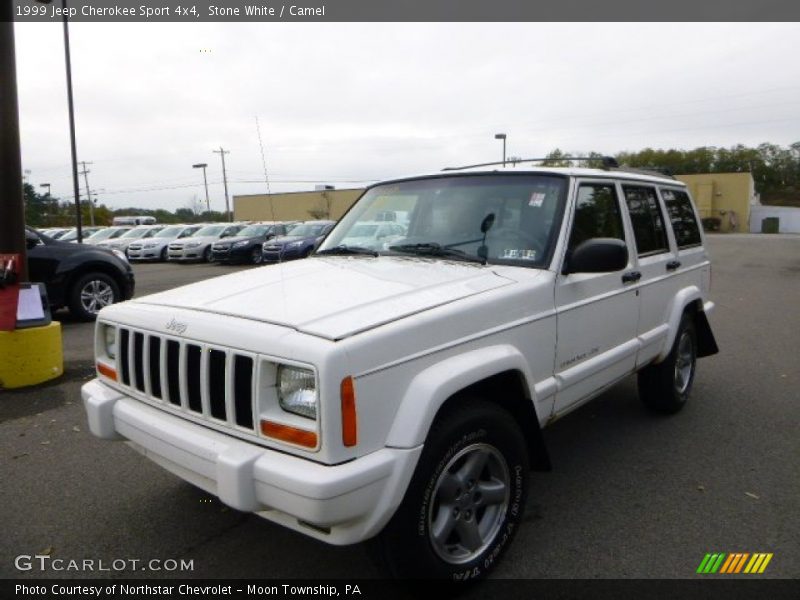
<point x="136" y="233"/>
<point x="520" y="213"/>
<point x="308" y="229"/>
<point x="253" y="230"/>
<point x="169" y="232"/>
<point x="209" y="230"/>
<point x="107" y="233"/>
<point x="359" y="231"/>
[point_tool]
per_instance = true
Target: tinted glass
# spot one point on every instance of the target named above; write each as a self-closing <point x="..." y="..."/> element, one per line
<point x="681" y="214"/>
<point x="597" y="214"/>
<point x="647" y="220"/>
<point x="443" y="216"/>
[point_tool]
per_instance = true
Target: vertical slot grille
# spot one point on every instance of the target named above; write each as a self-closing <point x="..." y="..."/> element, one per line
<point x="216" y="383"/>
<point x="124" y="336"/>
<point x="243" y="390"/>
<point x="193" y="354"/>
<point x="138" y="360"/>
<point x="155" y="367"/>
<point x="173" y="372"/>
<point x="219" y="385"/>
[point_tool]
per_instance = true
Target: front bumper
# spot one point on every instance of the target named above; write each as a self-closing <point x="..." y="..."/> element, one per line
<point x="339" y="504"/>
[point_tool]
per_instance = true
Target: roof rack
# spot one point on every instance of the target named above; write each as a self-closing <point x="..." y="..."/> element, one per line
<point x="609" y="162"/>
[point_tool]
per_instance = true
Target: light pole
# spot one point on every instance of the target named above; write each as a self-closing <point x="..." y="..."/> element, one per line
<point x="205" y="181"/>
<point x="502" y="136"/>
<point x="222" y="152"/>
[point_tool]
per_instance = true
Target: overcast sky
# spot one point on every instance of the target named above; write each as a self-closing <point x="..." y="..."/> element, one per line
<point x="346" y="104"/>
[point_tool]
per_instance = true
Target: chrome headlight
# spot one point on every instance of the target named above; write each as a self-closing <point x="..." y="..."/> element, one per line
<point x="294" y="244"/>
<point x="241" y="244"/>
<point x="297" y="391"/>
<point x="192" y="244"/>
<point x="149" y="244"/>
<point x="119" y="254"/>
<point x="110" y="341"/>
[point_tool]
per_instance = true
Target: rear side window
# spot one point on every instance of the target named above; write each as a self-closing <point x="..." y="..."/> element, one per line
<point x="647" y="220"/>
<point x="681" y="213"/>
<point x="597" y="214"/>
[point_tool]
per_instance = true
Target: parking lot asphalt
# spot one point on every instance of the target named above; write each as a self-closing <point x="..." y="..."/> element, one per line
<point x="631" y="495"/>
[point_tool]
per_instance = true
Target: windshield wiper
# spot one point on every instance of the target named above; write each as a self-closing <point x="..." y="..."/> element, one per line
<point x="434" y="249"/>
<point x="344" y="250"/>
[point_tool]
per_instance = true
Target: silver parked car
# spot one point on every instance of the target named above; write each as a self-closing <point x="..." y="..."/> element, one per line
<point x="155" y="247"/>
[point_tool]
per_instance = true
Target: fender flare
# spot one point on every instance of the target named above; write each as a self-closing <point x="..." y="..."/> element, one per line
<point x="431" y="388"/>
<point x="679" y="303"/>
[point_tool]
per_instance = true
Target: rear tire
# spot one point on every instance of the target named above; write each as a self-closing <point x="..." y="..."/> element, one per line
<point x="665" y="387"/>
<point x="207" y="256"/>
<point x="465" y="501"/>
<point x="163" y="255"/>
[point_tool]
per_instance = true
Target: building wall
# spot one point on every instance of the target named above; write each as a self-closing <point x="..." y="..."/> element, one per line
<point x="727" y="196"/>
<point x="788" y="218"/>
<point x="293" y="206"/>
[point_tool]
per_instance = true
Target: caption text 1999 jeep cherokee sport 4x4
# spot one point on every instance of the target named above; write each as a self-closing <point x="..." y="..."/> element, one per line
<point x="396" y="390"/>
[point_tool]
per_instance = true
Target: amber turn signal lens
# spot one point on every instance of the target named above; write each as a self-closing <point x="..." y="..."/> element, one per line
<point x="286" y="433"/>
<point x="349" y="417"/>
<point x="106" y="371"/>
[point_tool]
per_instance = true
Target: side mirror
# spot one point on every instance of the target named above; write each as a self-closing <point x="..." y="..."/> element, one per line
<point x="598" y="255"/>
<point x="31" y="242"/>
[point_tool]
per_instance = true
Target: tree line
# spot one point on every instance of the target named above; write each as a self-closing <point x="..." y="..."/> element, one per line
<point x="775" y="169"/>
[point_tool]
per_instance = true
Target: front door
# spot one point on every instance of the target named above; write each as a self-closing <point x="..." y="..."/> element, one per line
<point x="597" y="313"/>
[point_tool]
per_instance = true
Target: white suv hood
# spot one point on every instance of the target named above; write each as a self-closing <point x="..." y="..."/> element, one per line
<point x="334" y="297"/>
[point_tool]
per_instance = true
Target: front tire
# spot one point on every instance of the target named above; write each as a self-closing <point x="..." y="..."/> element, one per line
<point x="465" y="501"/>
<point x="665" y="387"/>
<point x="256" y="257"/>
<point x="208" y="256"/>
<point x="90" y="293"/>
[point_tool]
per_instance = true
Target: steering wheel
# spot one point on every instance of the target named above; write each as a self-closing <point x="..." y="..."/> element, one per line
<point x="527" y="240"/>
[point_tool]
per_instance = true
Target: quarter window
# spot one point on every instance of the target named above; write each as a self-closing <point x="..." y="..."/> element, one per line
<point x="681" y="214"/>
<point x="647" y="220"/>
<point x="597" y="215"/>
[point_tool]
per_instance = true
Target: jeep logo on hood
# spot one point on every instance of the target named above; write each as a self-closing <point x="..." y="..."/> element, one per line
<point x="176" y="326"/>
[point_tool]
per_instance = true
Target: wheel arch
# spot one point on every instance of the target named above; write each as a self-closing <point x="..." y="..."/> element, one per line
<point x="93" y="267"/>
<point x="497" y="374"/>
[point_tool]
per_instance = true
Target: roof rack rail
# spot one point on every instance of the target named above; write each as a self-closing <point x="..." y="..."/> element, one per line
<point x="653" y="172"/>
<point x="608" y="162"/>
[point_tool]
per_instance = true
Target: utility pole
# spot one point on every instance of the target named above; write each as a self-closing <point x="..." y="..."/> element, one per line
<point x="85" y="174"/>
<point x="222" y="154"/>
<point x="71" y="111"/>
<point x="12" y="207"/>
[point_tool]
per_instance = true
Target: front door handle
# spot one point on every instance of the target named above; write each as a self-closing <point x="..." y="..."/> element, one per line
<point x="673" y="264"/>
<point x="631" y="277"/>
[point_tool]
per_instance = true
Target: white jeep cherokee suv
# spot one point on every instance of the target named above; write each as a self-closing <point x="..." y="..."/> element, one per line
<point x="399" y="393"/>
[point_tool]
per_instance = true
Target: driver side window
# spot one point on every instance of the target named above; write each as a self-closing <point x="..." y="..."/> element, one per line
<point x="597" y="214"/>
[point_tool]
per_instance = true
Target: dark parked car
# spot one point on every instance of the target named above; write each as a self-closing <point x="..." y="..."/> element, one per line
<point x="299" y="243"/>
<point x="81" y="277"/>
<point x="246" y="245"/>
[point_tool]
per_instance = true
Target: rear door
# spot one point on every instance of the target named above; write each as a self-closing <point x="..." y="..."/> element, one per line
<point x="597" y="313"/>
<point x="655" y="259"/>
<point x="691" y="266"/>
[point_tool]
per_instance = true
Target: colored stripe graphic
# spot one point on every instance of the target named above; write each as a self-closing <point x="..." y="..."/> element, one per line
<point x="734" y="563"/>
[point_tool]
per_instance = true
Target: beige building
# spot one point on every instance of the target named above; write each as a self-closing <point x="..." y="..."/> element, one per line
<point x="294" y="206"/>
<point x="726" y="196"/>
